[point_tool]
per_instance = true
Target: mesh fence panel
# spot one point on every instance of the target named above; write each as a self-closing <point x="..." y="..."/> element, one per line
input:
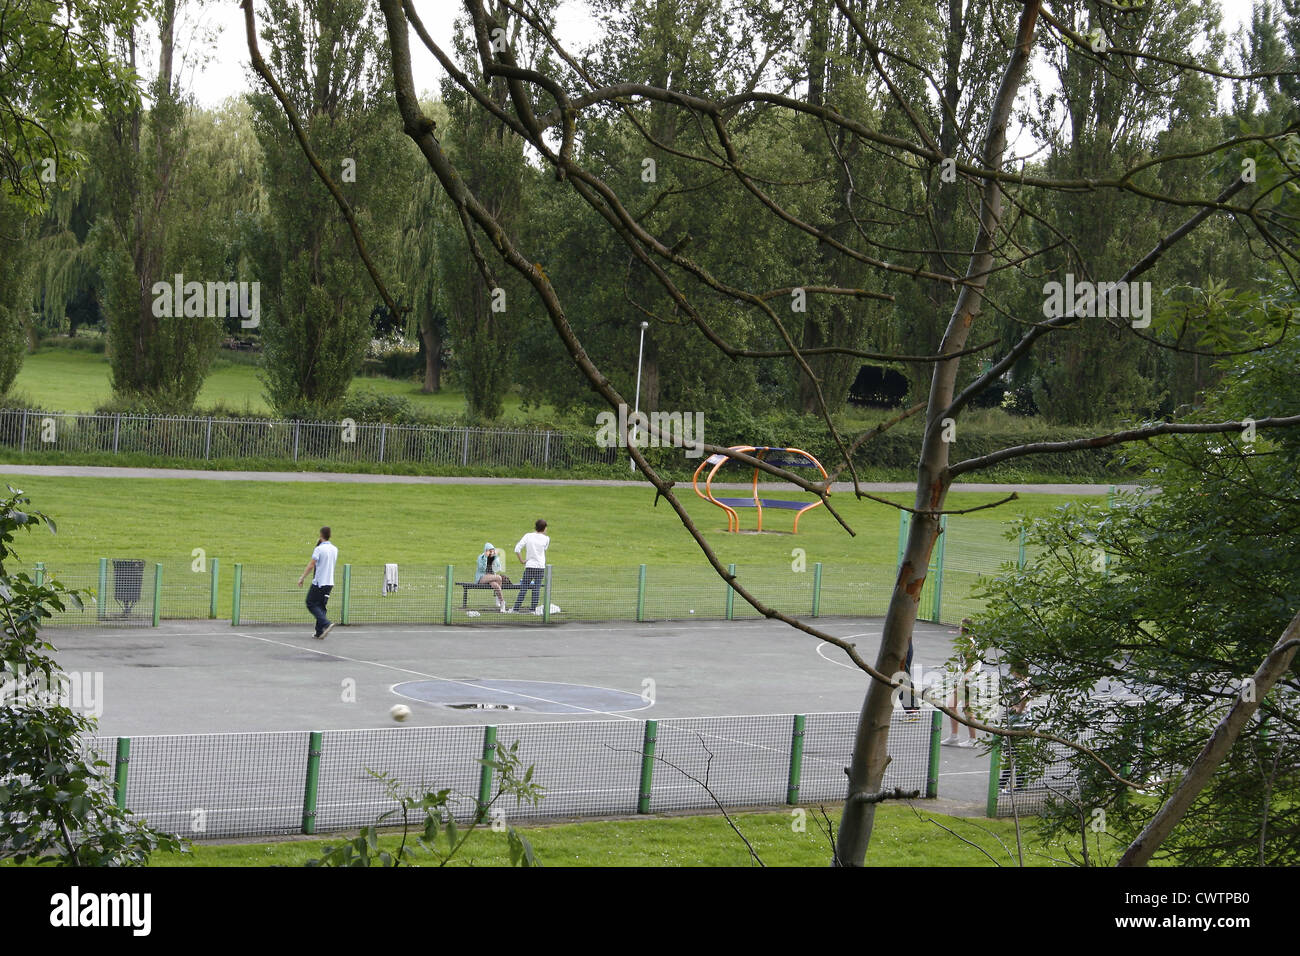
<point x="589" y="768"/>
<point x="419" y="758"/>
<point x="828" y="746"/>
<point x="1028" y="792"/>
<point x="972" y="550"/>
<point x="417" y="599"/>
<point x="126" y="599"/>
<point x="742" y="760"/>
<point x="269" y="594"/>
<point x="219" y="785"/>
<point x="186" y="588"/>
<point x="855" y="590"/>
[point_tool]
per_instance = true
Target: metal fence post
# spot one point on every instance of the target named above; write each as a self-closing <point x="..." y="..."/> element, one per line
<point x="546" y="596"/>
<point x="938" y="571"/>
<point x="731" y="594"/>
<point x="1020" y="559"/>
<point x="932" y="777"/>
<point x="314" y="749"/>
<point x="640" y="594"/>
<point x="485" y="771"/>
<point x="817" y="589"/>
<point x="345" y="614"/>
<point x="207" y="445"/>
<point x="647" y="766"/>
<point x="39" y="573"/>
<point x="297" y="426"/>
<point x="22" y="443"/>
<point x="216" y="583"/>
<point x="446" y="596"/>
<point x="796" y="760"/>
<point x="234" y="601"/>
<point x="121" y="771"/>
<point x="117" y="429"/>
<point x="546" y="452"/>
<point x="383" y="436"/>
<point x="904" y="522"/>
<point x="995" y="772"/>
<point x="157" y="593"/>
<point x="464" y="458"/>
<point x="101" y="599"/>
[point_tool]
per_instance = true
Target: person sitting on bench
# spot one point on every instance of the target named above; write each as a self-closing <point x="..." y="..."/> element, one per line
<point x="489" y="571"/>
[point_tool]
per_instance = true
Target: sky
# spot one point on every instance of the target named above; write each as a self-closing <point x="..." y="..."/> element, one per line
<point x="225" y="73"/>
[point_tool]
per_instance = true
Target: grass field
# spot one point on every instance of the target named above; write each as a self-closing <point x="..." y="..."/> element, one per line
<point x="902" y="838"/>
<point x="274" y="522"/>
<point x="70" y="380"/>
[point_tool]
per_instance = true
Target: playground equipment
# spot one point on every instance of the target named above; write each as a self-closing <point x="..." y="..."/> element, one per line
<point x="782" y="458"/>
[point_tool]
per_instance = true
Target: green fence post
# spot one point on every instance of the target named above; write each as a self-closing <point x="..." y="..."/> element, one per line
<point x="39" y="573"/>
<point x="731" y="594"/>
<point x="446" y="597"/>
<point x="485" y="772"/>
<point x="796" y="760"/>
<point x="101" y="597"/>
<point x="216" y="579"/>
<point x="157" y="593"/>
<point x="546" y="596"/>
<point x="345" y="613"/>
<point x="1020" y="559"/>
<point x="932" y="778"/>
<point x="121" y="771"/>
<point x="1110" y="498"/>
<point x="904" y="523"/>
<point x="938" y="570"/>
<point x="995" y="771"/>
<point x="647" y="765"/>
<point x="234" y="600"/>
<point x="817" y="589"/>
<point x="640" y="594"/>
<point x="314" y="749"/>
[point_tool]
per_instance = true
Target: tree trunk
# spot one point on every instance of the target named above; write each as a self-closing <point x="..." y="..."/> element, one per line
<point x="870" y="750"/>
<point x="1216" y="749"/>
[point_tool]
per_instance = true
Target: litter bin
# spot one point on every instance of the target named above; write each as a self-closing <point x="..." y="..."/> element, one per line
<point x="128" y="577"/>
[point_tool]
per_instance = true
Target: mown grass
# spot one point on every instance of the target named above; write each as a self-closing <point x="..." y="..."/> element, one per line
<point x="276" y="522"/>
<point x="901" y="838"/>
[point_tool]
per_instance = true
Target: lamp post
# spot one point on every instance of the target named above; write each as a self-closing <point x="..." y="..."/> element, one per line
<point x="637" y="410"/>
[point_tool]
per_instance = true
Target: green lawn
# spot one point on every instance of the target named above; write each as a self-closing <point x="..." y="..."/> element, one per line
<point x="901" y="838"/>
<point x="78" y="381"/>
<point x="276" y="522"/>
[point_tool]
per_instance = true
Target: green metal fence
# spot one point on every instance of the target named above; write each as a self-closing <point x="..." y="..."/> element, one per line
<point x="138" y="591"/>
<point x="256" y="784"/>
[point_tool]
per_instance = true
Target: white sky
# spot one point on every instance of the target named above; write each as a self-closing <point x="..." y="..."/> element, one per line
<point x="226" y="71"/>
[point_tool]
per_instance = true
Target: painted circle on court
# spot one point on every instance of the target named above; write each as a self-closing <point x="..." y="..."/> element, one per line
<point x="533" y="696"/>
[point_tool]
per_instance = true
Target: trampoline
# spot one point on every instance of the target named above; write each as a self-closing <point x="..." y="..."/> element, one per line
<point x="782" y="458"/>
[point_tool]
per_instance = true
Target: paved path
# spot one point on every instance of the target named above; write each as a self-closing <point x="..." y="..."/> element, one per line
<point x="841" y="487"/>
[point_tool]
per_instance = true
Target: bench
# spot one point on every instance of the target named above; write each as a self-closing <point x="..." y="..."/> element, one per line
<point x="467" y="586"/>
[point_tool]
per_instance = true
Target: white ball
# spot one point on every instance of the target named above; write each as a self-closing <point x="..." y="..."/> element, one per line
<point x="692" y="610"/>
<point x="400" y="712"/>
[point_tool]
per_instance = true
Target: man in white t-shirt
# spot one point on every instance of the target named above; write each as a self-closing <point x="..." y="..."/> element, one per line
<point x="321" y="569"/>
<point x="534" y="545"/>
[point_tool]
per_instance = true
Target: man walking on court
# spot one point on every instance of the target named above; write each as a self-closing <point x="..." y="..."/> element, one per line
<point x="534" y="545"/>
<point x="321" y="568"/>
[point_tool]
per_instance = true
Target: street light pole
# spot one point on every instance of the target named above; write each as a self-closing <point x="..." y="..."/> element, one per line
<point x="637" y="410"/>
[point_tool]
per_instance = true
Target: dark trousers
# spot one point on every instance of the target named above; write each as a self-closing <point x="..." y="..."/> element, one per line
<point x="532" y="582"/>
<point x="317" y="596"/>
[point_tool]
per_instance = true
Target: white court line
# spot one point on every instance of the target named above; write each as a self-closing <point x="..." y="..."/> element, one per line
<point x="852" y="667"/>
<point x="407" y="670"/>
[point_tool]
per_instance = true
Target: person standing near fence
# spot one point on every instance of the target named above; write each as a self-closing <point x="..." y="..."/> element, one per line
<point x="321" y="568"/>
<point x="534" y="545"/>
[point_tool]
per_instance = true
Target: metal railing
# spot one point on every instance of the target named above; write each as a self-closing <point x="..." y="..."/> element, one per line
<point x="206" y="439"/>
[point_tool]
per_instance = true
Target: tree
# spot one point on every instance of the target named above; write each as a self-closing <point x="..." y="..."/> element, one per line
<point x="317" y="305"/>
<point x="1176" y="596"/>
<point x="543" y="109"/>
<point x="56" y="805"/>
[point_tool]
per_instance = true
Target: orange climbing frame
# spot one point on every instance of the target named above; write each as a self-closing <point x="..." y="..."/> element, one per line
<point x="782" y="457"/>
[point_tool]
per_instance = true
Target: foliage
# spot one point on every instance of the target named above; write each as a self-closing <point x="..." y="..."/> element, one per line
<point x="440" y="839"/>
<point x="56" y="804"/>
<point x="1177" y="596"/>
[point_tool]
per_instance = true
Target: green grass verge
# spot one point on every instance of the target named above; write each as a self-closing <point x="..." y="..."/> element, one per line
<point x="901" y="838"/>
